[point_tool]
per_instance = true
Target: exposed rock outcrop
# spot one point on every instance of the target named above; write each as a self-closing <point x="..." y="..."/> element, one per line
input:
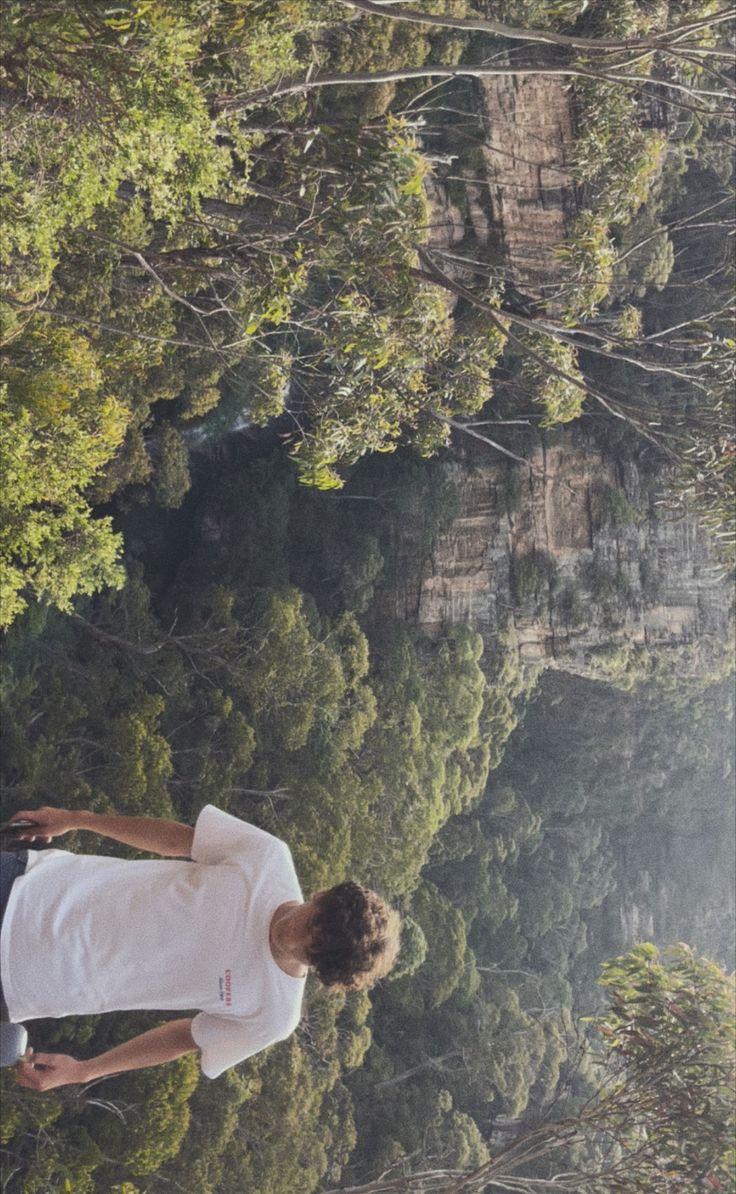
<point x="573" y="557"/>
<point x="570" y="558"/>
<point x="514" y="206"/>
<point x="528" y="151"/>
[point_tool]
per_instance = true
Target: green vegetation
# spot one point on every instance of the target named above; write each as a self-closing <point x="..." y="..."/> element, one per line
<point x="611" y="507"/>
<point x="232" y="684"/>
<point x="541" y="871"/>
<point x="532" y="578"/>
<point x="180" y="244"/>
<point x="200" y="235"/>
<point x="661" y="1115"/>
<point x="369" y="753"/>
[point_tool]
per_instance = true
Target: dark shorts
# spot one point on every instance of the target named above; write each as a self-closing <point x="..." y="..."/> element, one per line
<point x="12" y="864"/>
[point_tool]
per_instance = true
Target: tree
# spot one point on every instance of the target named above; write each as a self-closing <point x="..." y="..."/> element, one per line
<point x="57" y="429"/>
<point x="695" y="436"/>
<point x="157" y="1120"/>
<point x="663" y="1116"/>
<point x="413" y="949"/>
<point x="171" y="480"/>
<point x="626" y="71"/>
<point x="447" y="954"/>
<point x="266" y="249"/>
<point x="681" y="39"/>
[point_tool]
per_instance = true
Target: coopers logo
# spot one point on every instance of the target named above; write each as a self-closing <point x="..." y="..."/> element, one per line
<point x="226" y="988"/>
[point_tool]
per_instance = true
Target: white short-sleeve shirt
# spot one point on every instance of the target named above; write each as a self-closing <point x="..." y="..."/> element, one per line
<point x="84" y="934"/>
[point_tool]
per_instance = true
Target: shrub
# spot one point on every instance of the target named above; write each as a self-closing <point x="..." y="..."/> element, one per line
<point x="554" y="377"/>
<point x="532" y="576"/>
<point x="589" y="256"/>
<point x="611" y="507"/>
<point x="171" y="479"/>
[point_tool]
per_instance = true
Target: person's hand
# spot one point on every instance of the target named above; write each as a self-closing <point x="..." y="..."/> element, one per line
<point x="46" y="1071"/>
<point x="48" y="823"/>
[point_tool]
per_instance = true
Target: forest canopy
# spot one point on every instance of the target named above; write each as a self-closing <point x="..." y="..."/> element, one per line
<point x="263" y="313"/>
<point x="189" y="230"/>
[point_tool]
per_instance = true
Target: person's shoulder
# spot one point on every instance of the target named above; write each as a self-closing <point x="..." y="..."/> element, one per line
<point x="219" y="835"/>
<point x="282" y="850"/>
<point x="283" y="864"/>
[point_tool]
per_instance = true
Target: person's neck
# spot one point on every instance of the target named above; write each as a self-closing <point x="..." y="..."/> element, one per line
<point x="288" y="938"/>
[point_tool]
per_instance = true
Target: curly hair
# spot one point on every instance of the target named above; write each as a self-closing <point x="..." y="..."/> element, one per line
<point x="354" y="937"/>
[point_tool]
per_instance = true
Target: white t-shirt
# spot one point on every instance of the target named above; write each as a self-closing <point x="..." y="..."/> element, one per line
<point x="84" y="934"/>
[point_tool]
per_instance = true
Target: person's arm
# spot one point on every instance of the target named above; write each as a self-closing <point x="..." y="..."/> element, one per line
<point x="169" y="838"/>
<point x="159" y="1045"/>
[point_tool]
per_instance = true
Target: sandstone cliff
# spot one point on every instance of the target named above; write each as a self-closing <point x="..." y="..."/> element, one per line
<point x="575" y="558"/>
<point x="572" y="558"/>
<point x="528" y="149"/>
<point x="511" y="203"/>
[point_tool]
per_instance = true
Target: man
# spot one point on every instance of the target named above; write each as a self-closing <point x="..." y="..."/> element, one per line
<point x="227" y="933"/>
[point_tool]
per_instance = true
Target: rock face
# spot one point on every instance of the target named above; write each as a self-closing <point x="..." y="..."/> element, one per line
<point x="447" y="226"/>
<point x="572" y="558"/>
<point x="528" y="151"/>
<point x="515" y="204"/>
